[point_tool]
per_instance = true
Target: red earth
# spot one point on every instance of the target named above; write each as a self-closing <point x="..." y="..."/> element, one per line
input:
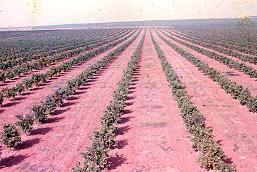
<point x="228" y="56"/>
<point x="152" y="135"/>
<point x="24" y="103"/>
<point x="16" y="80"/>
<point x="233" y="74"/>
<point x="233" y="125"/>
<point x="56" y="145"/>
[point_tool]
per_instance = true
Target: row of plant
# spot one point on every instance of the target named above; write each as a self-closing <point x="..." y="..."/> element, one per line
<point x="80" y="44"/>
<point x="95" y="158"/>
<point x="39" y="43"/>
<point x="37" y="79"/>
<point x="42" y="62"/>
<point x="235" y="90"/>
<point x="45" y="61"/>
<point x="248" y="70"/>
<point x="211" y="155"/>
<point x="242" y="39"/>
<point x="10" y="136"/>
<point x="47" y="43"/>
<point x="222" y="47"/>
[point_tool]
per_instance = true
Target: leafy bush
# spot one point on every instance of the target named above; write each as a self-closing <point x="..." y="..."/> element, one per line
<point x="25" y="122"/>
<point x="39" y="114"/>
<point x="2" y="76"/>
<point x="9" y="92"/>
<point x="10" y="136"/>
<point x="1" y="98"/>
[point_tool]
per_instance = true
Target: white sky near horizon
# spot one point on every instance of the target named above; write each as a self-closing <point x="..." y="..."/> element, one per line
<point x="20" y="13"/>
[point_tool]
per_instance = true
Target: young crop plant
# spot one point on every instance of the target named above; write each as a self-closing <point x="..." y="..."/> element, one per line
<point x="235" y="90"/>
<point x="10" y="136"/>
<point x="96" y="157"/>
<point x="9" y="92"/>
<point x="25" y="122"/>
<point x="41" y="62"/>
<point x="40" y="112"/>
<point x="221" y="49"/>
<point x="211" y="155"/>
<point x="2" y="76"/>
<point x="1" y="98"/>
<point x="37" y="79"/>
<point x="240" y="66"/>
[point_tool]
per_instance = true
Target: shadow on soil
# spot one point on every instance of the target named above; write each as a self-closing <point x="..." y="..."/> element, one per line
<point x="122" y="130"/>
<point x="66" y="104"/>
<point x="12" y="160"/>
<point x="41" y="131"/>
<point x="11" y="103"/>
<point x="130" y="98"/>
<point x="72" y="98"/>
<point x="121" y="144"/>
<point x="116" y="161"/>
<point x="127" y="111"/>
<point x="28" y="143"/>
<point x="20" y="98"/>
<point x="129" y="103"/>
<point x="54" y="120"/>
<point x="59" y="111"/>
<point x="125" y="119"/>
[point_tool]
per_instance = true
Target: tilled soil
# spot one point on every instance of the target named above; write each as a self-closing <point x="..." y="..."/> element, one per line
<point x="152" y="136"/>
<point x="233" y="74"/>
<point x="56" y="145"/>
<point x="234" y="127"/>
<point x="23" y="104"/>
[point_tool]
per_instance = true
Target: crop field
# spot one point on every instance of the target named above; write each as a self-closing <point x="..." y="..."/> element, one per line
<point x="161" y="99"/>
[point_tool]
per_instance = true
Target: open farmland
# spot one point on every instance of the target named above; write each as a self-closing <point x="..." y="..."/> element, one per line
<point x="129" y="99"/>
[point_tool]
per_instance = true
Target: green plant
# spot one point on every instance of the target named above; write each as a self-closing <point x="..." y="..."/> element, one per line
<point x="10" y="136"/>
<point x="20" y="88"/>
<point x="39" y="114"/>
<point x="1" y="98"/>
<point x="9" y="92"/>
<point x="237" y="91"/>
<point x="211" y="154"/>
<point x="96" y="157"/>
<point x="2" y="76"/>
<point x="25" y="122"/>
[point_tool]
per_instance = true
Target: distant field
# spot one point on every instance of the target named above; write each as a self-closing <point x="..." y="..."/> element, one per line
<point x="149" y="96"/>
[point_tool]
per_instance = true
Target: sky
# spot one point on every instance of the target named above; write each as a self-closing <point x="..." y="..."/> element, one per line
<point x="23" y="13"/>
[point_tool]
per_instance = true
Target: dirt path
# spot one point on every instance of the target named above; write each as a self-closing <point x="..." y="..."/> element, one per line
<point x="233" y="125"/>
<point x="152" y="136"/>
<point x="56" y="146"/>
<point x="16" y="80"/>
<point x="23" y="104"/>
<point x="233" y="74"/>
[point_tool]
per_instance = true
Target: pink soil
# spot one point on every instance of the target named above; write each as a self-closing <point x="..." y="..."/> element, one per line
<point x="152" y="135"/>
<point x="23" y="104"/>
<point x="233" y="74"/>
<point x="16" y="80"/>
<point x="56" y="146"/>
<point x="254" y="66"/>
<point x="234" y="126"/>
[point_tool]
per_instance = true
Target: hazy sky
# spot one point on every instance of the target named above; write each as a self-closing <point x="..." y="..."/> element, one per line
<point x="15" y="13"/>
